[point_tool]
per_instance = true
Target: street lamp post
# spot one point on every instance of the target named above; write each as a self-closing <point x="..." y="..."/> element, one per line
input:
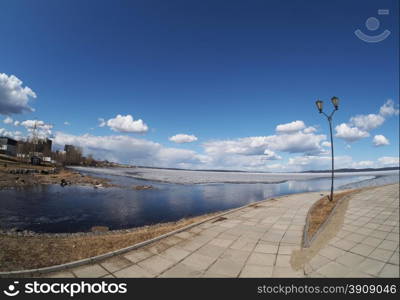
<point x="335" y="102"/>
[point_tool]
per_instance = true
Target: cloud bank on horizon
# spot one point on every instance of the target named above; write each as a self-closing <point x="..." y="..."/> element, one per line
<point x="302" y="145"/>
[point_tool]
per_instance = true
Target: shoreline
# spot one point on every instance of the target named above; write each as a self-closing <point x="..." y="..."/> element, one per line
<point x="98" y="245"/>
<point x="20" y="174"/>
<point x="187" y="177"/>
<point x="89" y="180"/>
<point x="12" y="232"/>
<point x="39" y="251"/>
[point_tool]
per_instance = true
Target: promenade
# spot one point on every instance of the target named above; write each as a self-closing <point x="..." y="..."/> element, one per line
<point x="265" y="239"/>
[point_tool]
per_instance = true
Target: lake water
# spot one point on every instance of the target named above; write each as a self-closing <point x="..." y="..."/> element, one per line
<point x="52" y="208"/>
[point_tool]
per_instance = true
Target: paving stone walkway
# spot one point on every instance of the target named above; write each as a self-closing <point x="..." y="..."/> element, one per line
<point x="259" y="240"/>
<point x="367" y="245"/>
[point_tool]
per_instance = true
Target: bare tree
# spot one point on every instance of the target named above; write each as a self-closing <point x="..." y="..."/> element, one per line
<point x="73" y="155"/>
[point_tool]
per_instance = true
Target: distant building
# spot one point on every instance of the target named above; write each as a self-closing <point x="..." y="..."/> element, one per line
<point x="44" y="146"/>
<point x="41" y="148"/>
<point x="69" y="148"/>
<point x="8" y="146"/>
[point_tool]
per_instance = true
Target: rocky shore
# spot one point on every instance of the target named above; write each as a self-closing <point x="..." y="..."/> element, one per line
<point x="17" y="175"/>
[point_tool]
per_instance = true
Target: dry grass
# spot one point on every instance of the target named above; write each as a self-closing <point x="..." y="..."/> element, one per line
<point x="220" y="219"/>
<point x="321" y="211"/>
<point x="29" y="252"/>
<point x="8" y="180"/>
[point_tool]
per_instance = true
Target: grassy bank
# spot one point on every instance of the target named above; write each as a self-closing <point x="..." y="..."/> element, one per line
<point x="43" y="175"/>
<point x="320" y="212"/>
<point x="29" y="252"/>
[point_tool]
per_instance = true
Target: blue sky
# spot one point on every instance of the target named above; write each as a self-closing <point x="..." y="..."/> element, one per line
<point x="226" y="72"/>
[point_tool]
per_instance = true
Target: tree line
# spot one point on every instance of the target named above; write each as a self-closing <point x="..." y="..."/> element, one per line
<point x="72" y="155"/>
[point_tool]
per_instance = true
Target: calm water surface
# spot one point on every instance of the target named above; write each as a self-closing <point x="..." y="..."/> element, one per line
<point x="52" y="208"/>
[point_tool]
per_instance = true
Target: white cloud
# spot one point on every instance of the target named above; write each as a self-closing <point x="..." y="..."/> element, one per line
<point x="114" y="147"/>
<point x="254" y="153"/>
<point x="326" y="144"/>
<point x="102" y="122"/>
<point x="388" y="109"/>
<point x="310" y="129"/>
<point x="32" y="123"/>
<point x="14" y="98"/>
<point x="138" y="151"/>
<point x="360" y="125"/>
<point x="385" y="161"/>
<point x="127" y="124"/>
<point x="121" y="148"/>
<point x="271" y="155"/>
<point x="241" y="162"/>
<point x="183" y="138"/>
<point x="17" y="135"/>
<point x="66" y="123"/>
<point x="380" y="140"/>
<point x="350" y="134"/>
<point x="292" y="143"/>
<point x="310" y="162"/>
<point x="367" y="122"/>
<point x="389" y="161"/>
<point x="43" y="130"/>
<point x="179" y="157"/>
<point x="8" y="120"/>
<point x="5" y="132"/>
<point x="303" y="163"/>
<point x="290" y="127"/>
<point x="363" y="164"/>
<point x="251" y="153"/>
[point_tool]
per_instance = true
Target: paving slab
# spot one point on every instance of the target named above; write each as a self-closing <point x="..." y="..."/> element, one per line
<point x="115" y="263"/>
<point x="261" y="259"/>
<point x="256" y="271"/>
<point x="156" y="264"/>
<point x="133" y="271"/>
<point x="137" y="255"/>
<point x="370" y="266"/>
<point x="181" y="271"/>
<point x="92" y="271"/>
<point x="61" y="274"/>
<point x="198" y="261"/>
<point x="390" y="271"/>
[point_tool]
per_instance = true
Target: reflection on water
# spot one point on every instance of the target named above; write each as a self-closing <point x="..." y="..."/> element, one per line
<point x="52" y="208"/>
